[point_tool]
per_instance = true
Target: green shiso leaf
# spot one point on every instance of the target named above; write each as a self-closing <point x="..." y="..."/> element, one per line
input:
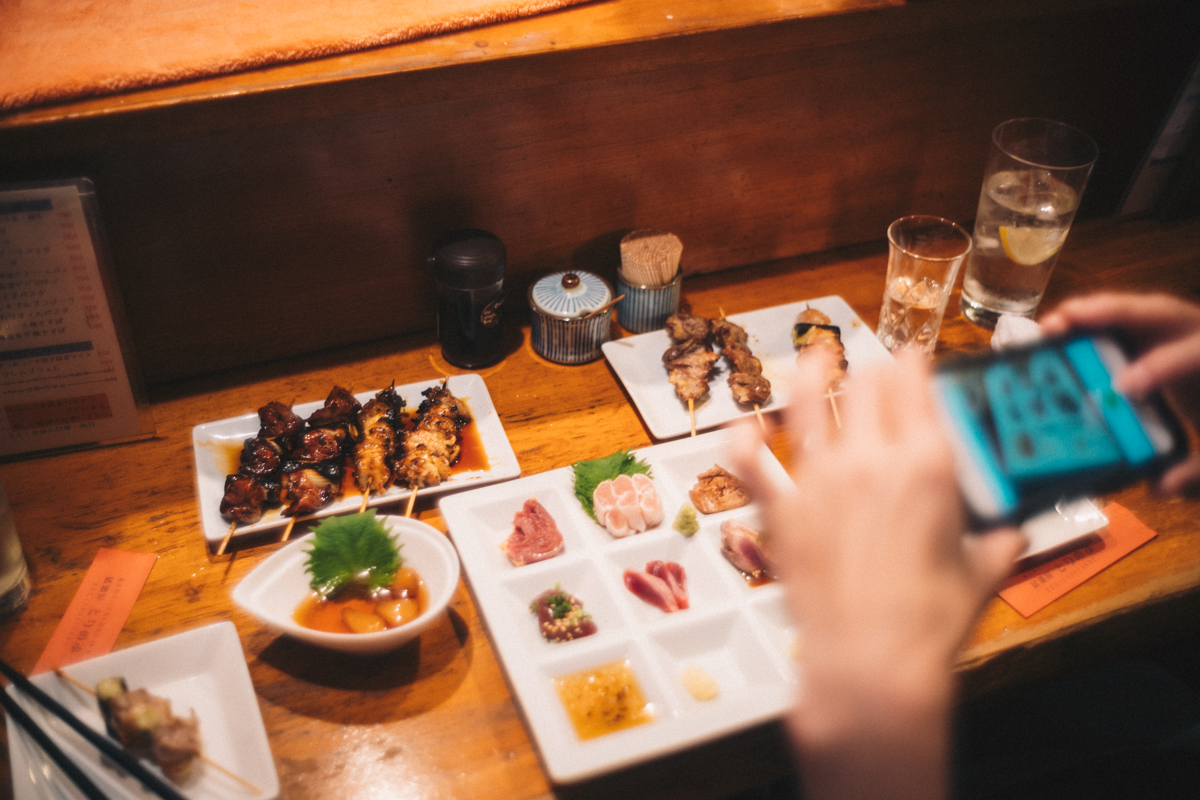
<point x="590" y="474"/>
<point x="352" y="550"/>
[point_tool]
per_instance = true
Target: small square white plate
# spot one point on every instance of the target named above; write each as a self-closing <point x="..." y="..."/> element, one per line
<point x="202" y="670"/>
<point x="213" y="442"/>
<point x="637" y="360"/>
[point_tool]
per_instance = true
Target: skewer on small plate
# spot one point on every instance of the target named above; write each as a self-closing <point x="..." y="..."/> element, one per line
<point x="71" y="679"/>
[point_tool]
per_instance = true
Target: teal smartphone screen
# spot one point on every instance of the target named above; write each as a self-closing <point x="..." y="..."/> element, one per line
<point x="1043" y="413"/>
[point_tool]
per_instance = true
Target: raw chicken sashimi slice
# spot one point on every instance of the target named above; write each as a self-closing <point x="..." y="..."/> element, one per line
<point x="648" y="500"/>
<point x="675" y="578"/>
<point x="627" y="501"/>
<point x="654" y="591"/>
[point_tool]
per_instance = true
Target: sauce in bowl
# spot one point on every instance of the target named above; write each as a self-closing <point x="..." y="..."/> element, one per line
<point x="351" y="612"/>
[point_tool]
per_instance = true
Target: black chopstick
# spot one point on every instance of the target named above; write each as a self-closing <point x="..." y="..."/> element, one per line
<point x="60" y="758"/>
<point x="99" y="741"/>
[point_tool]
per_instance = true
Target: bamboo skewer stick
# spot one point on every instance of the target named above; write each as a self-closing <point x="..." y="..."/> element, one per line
<point x="228" y="536"/>
<point x="833" y="404"/>
<point x="692" y="414"/>
<point x="412" y="499"/>
<point x="366" y="498"/>
<point x="287" y="531"/>
<point x="71" y="679"/>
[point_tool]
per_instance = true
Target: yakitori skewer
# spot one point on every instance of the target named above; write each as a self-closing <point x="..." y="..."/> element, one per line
<point x="814" y="331"/>
<point x="690" y="358"/>
<point x="746" y="381"/>
<point x="71" y="679"/>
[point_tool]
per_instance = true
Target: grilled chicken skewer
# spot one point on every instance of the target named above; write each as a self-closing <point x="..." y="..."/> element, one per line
<point x="812" y="333"/>
<point x="435" y="442"/>
<point x="690" y="360"/>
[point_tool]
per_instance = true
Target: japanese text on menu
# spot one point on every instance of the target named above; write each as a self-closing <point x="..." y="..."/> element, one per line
<point x="62" y="378"/>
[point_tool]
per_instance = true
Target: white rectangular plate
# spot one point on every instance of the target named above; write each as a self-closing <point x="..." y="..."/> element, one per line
<point x="212" y="441"/>
<point x="637" y="360"/>
<point x="202" y="670"/>
<point x="741" y="636"/>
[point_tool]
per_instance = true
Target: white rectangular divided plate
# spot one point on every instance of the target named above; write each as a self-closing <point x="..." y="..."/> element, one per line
<point x="211" y="442"/>
<point x="637" y="360"/>
<point x="741" y="636"/>
<point x="202" y="670"/>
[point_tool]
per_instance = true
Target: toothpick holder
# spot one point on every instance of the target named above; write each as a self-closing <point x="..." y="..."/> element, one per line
<point x="645" y="307"/>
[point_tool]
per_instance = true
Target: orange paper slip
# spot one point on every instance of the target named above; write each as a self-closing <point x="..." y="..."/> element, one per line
<point x="99" y="609"/>
<point x="1033" y="590"/>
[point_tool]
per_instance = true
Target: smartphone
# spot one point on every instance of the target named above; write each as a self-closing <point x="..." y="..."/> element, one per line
<point x="1034" y="424"/>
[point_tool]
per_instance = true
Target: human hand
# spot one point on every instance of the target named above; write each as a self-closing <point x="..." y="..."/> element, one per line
<point x="883" y="584"/>
<point x="1166" y="332"/>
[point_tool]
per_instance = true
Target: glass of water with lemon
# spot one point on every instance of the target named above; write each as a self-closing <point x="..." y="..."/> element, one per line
<point x="1036" y="174"/>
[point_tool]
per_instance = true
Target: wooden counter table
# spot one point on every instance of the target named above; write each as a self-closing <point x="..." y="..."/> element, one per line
<point x="436" y="718"/>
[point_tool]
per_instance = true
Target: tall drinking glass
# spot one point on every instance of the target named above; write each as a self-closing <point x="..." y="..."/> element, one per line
<point x="1035" y="176"/>
<point x="924" y="256"/>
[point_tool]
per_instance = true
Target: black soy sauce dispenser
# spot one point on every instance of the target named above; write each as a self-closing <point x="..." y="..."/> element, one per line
<point x="468" y="268"/>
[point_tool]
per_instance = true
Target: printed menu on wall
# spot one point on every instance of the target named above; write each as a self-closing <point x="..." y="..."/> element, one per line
<point x="64" y="380"/>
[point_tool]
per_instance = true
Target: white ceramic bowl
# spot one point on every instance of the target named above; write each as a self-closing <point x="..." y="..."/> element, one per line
<point x="275" y="587"/>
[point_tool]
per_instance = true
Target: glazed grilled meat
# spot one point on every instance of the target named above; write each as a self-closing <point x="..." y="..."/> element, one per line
<point x="278" y="421"/>
<point x="318" y="445"/>
<point x="435" y="441"/>
<point x="307" y="490"/>
<point x="375" y="454"/>
<point x="340" y="409"/>
<point x="244" y="499"/>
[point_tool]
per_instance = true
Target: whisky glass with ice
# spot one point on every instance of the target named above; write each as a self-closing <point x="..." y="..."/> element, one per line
<point x="924" y="256"/>
<point x="1036" y="173"/>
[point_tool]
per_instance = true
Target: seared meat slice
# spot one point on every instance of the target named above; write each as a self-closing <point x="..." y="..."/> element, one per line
<point x="718" y="490"/>
<point x="745" y="549"/>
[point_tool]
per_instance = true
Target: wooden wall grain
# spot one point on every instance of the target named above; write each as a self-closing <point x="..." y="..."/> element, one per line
<point x="264" y="236"/>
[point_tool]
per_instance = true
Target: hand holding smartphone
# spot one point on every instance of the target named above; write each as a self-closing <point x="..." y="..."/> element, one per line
<point x="1033" y="424"/>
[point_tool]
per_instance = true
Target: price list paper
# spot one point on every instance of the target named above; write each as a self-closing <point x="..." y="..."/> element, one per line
<point x="63" y="380"/>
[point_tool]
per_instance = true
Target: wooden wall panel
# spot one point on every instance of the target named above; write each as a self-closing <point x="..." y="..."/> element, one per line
<point x="251" y="243"/>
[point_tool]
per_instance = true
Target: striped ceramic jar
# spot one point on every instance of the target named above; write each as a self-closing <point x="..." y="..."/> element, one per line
<point x="646" y="308"/>
<point x="561" y="326"/>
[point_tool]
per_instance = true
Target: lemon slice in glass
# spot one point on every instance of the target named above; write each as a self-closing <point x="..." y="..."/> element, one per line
<point x="1029" y="246"/>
